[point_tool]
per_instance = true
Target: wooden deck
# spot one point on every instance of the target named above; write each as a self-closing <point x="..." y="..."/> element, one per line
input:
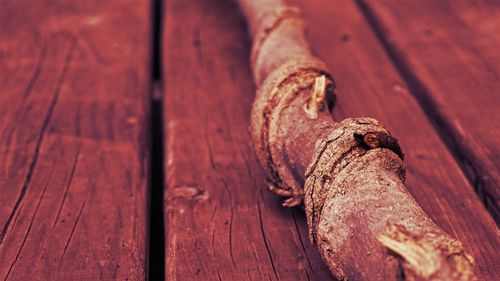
<point x="86" y="159"/>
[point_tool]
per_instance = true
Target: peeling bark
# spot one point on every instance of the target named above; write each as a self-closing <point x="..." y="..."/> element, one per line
<point x="347" y="175"/>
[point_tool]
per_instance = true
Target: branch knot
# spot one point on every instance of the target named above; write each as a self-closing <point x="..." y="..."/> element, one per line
<point x="280" y="88"/>
<point x="350" y="139"/>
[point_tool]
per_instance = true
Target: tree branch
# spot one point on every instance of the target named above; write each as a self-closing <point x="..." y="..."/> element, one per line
<point x="347" y="175"/>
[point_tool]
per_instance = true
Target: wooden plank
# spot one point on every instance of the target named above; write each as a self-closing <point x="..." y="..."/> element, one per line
<point x="221" y="223"/>
<point x="73" y="106"/>
<point x="369" y="85"/>
<point x="450" y="50"/>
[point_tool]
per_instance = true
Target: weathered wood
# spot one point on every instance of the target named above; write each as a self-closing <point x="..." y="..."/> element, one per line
<point x="369" y="85"/>
<point x="74" y="80"/>
<point x="212" y="207"/>
<point x="221" y="222"/>
<point x="349" y="174"/>
<point x="449" y="50"/>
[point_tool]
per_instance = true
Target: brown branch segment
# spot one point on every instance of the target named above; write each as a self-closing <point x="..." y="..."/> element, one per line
<point x="348" y="175"/>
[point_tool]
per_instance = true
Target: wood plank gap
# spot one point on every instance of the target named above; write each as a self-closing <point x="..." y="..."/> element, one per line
<point x="156" y="257"/>
<point x="156" y="262"/>
<point x="424" y="98"/>
<point x="156" y="31"/>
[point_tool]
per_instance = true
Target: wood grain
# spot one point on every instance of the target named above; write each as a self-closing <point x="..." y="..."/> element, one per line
<point x="221" y="222"/>
<point x="449" y="50"/>
<point x="73" y="110"/>
<point x="369" y="85"/>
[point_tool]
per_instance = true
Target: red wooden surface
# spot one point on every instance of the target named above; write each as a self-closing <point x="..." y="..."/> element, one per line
<point x="215" y="194"/>
<point x="74" y="93"/>
<point x="451" y="49"/>
<point x="221" y="222"/>
<point x="73" y="170"/>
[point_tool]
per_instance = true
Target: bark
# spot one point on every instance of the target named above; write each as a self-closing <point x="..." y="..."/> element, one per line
<point x="347" y="175"/>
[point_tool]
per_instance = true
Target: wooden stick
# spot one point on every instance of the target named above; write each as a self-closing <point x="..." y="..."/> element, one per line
<point x="348" y="175"/>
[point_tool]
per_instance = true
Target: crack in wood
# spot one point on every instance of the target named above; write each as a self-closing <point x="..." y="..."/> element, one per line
<point x="39" y="140"/>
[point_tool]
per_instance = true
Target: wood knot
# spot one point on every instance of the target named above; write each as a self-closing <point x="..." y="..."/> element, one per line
<point x="371" y="140"/>
<point x="379" y="139"/>
<point x="188" y="193"/>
